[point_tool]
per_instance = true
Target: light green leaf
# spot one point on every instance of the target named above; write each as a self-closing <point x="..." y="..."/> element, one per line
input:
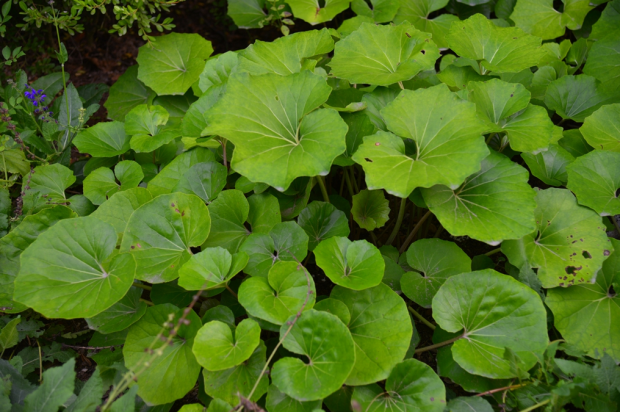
<point x="160" y="233"/>
<point x="205" y="180"/>
<point x="73" y="271"/>
<point x="530" y="130"/>
<point x="602" y="128"/>
<point x="126" y="402"/>
<point x="550" y="165"/>
<point x="370" y="209"/>
<point x="217" y="349"/>
<point x="217" y="71"/>
<point x="495" y="312"/>
<point x="381" y="329"/>
<point x="101" y="184"/>
<point x="375" y="101"/>
<point x="355" y="265"/>
<point x="103" y="140"/>
<point x="70" y="105"/>
<point x="327" y="344"/>
<point x="569" y="245"/>
<point x="239" y="380"/>
<point x="211" y="268"/>
<point x="280" y="402"/>
<point x="438" y="143"/>
<point x="287" y="289"/>
<point x="595" y="178"/>
<point x="272" y="121"/>
<point x="411" y="386"/>
<point x="13" y="244"/>
<point x="174" y="64"/>
<point x="381" y="11"/>
<point x="169" y="177"/>
<point x="228" y="212"/>
<point x="492" y="205"/>
<point x="322" y="221"/>
<point x="264" y="212"/>
<point x="383" y="55"/>
<point x="496" y="100"/>
<point x="418" y="12"/>
<point x="588" y="316"/>
<point x="169" y="376"/>
<point x="603" y="61"/>
<point x="121" y="315"/>
<point x="498" y="49"/>
<point x="9" y="335"/>
<point x="49" y="183"/>
<point x="469" y="404"/>
<point x="285" y="55"/>
<point x="90" y="395"/>
<point x="150" y="128"/>
<point x="194" y="122"/>
<point x="433" y="262"/>
<point x="126" y="93"/>
<point x="57" y="387"/>
<point x="539" y="18"/>
<point x="575" y="97"/>
<point x="312" y="12"/>
<point x="247" y="14"/>
<point x="335" y="307"/>
<point x="607" y="24"/>
<point x="218" y="405"/>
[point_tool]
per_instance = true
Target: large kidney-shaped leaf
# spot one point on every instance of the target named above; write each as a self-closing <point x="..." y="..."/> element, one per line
<point x="121" y="315"/>
<point x="354" y="265"/>
<point x="277" y="133"/>
<point x="210" y="269"/>
<point x="595" y="179"/>
<point x="493" y="204"/>
<point x="169" y="376"/>
<point x="168" y="178"/>
<point x="205" y="180"/>
<point x="550" y="165"/>
<point x="498" y="49"/>
<point x="247" y="14"/>
<point x="127" y="93"/>
<point x="437" y="140"/>
<point x="604" y="59"/>
<point x="287" y="289"/>
<point x="569" y="244"/>
<point x="539" y="18"/>
<point x="433" y="262"/>
<point x="327" y="344"/>
<point x="228" y="214"/>
<point x="602" y="128"/>
<point x="73" y="271"/>
<point x="411" y="386"/>
<point x="418" y="12"/>
<point x="160" y="233"/>
<point x="322" y="221"/>
<point x="381" y="11"/>
<point x="381" y="329"/>
<point x="312" y="11"/>
<point x="217" y="349"/>
<point x="493" y="312"/>
<point x="103" y="140"/>
<point x="383" y="55"/>
<point x="588" y="316"/>
<point x="576" y="97"/>
<point x="174" y="64"/>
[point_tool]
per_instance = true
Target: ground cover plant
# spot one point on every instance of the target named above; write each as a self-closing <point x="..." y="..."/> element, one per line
<point x="412" y="211"/>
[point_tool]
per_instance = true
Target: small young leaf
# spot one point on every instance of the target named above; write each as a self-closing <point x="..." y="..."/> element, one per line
<point x="56" y="388"/>
<point x="322" y="221"/>
<point x="211" y="268"/>
<point x="595" y="180"/>
<point x="370" y="209"/>
<point x="121" y="315"/>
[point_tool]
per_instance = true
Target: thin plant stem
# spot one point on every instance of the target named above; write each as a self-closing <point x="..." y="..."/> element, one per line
<point x="323" y="188"/>
<point x="347" y="179"/>
<point x="148" y="302"/>
<point x="505" y="388"/>
<point x="414" y="232"/>
<point x="223" y="143"/>
<point x="399" y="221"/>
<point x="439" y="232"/>
<point x="421" y="318"/>
<point x="232" y="292"/>
<point x="342" y="184"/>
<point x="374" y="238"/>
<point x="438" y="345"/>
<point x="538" y="405"/>
<point x="494" y="251"/>
<point x="401" y="85"/>
<point x="141" y="286"/>
<point x="355" y="185"/>
<point x="40" y="363"/>
<point x="6" y="173"/>
<point x="64" y="80"/>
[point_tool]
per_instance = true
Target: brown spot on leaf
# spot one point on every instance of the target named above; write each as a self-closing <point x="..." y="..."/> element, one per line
<point x="586" y="254"/>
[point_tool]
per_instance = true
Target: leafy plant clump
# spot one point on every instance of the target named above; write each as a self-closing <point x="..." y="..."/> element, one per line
<point x="407" y="212"/>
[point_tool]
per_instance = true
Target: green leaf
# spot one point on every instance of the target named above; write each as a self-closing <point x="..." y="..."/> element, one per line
<point x="322" y="221"/>
<point x="433" y="262"/>
<point x="575" y="97"/>
<point x="313" y="13"/>
<point x="70" y="105"/>
<point x="381" y="329"/>
<point x="360" y="125"/>
<point x="103" y="140"/>
<point x="229" y="212"/>
<point x="498" y="49"/>
<point x="492" y="205"/>
<point x="285" y="242"/>
<point x="217" y="71"/>
<point x="171" y="292"/>
<point x="169" y="177"/>
<point x="569" y="245"/>
<point x="194" y="121"/>
<point x="160" y="233"/>
<point x="375" y="101"/>
<point x="280" y="402"/>
<point x="211" y="268"/>
<point x="239" y="380"/>
<point x="264" y="212"/>
<point x="126" y="402"/>
<point x="205" y="180"/>
<point x="588" y="316"/>
<point x="595" y="178"/>
<point x="287" y="289"/>
<point x="495" y="312"/>
<point x="607" y="24"/>
<point x="169" y="376"/>
<point x="90" y="395"/>
<point x="150" y="128"/>
<point x="335" y="307"/>
<point x="270" y="120"/>
<point x="118" y="208"/>
<point x="468" y="404"/>
<point x="247" y="14"/>
<point x="174" y="64"/>
<point x="15" y="161"/>
<point x="73" y="271"/>
<point x="550" y="165"/>
<point x="602" y="128"/>
<point x="355" y="265"/>
<point x="121" y="315"/>
<point x="217" y="349"/>
<point x="370" y="209"/>
<point x="381" y="11"/>
<point x="574" y="143"/>
<point x="13" y="244"/>
<point x="101" y="184"/>
<point x="285" y="55"/>
<point x="9" y="335"/>
<point x="327" y="344"/>
<point x="126" y="93"/>
<point x="418" y="12"/>
<point x="439" y="143"/>
<point x="49" y="182"/>
<point x="383" y="55"/>
<point x="539" y="18"/>
<point x="411" y="386"/>
<point x="57" y="387"/>
<point x="603" y="61"/>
